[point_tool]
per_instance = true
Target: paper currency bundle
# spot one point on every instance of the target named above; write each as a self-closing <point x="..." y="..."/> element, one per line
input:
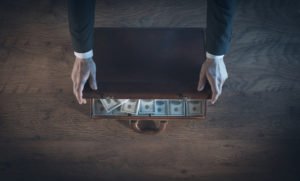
<point x="153" y="107"/>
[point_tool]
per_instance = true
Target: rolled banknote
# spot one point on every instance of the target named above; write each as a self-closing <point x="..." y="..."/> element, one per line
<point x="117" y="112"/>
<point x="98" y="108"/>
<point x="147" y="106"/>
<point x="161" y="107"/>
<point x="194" y="107"/>
<point x="176" y="107"/>
<point x="131" y="106"/>
<point x="111" y="104"/>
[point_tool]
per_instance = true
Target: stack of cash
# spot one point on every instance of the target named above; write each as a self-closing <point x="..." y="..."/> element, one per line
<point x="118" y="112"/>
<point x="176" y="107"/>
<point x="131" y="106"/>
<point x="161" y="107"/>
<point x="99" y="109"/>
<point x="146" y="107"/>
<point x="194" y="107"/>
<point x="111" y="104"/>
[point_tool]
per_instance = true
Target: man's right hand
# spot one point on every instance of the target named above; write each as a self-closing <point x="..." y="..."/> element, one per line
<point x="213" y="70"/>
<point x="83" y="69"/>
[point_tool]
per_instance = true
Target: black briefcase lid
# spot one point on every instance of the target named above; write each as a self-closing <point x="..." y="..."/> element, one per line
<point x="148" y="63"/>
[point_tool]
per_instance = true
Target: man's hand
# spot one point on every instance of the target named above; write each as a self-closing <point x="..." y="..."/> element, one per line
<point x="214" y="70"/>
<point x="83" y="70"/>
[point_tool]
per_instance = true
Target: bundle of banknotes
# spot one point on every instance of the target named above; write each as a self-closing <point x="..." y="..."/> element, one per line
<point x="153" y="107"/>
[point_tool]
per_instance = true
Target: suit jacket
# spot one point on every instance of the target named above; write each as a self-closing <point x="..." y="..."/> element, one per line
<point x="220" y="13"/>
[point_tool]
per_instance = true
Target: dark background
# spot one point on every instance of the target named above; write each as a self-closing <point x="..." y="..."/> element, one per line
<point x="252" y="133"/>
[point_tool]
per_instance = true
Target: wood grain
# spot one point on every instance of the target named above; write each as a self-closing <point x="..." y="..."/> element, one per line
<point x="252" y="133"/>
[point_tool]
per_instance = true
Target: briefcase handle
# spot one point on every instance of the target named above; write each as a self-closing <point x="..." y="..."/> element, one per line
<point x="134" y="124"/>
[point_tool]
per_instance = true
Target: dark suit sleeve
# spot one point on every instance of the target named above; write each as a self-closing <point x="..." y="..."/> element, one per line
<point x="81" y="15"/>
<point x="219" y="25"/>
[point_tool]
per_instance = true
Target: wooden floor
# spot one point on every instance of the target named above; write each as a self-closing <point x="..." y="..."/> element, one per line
<point x="252" y="133"/>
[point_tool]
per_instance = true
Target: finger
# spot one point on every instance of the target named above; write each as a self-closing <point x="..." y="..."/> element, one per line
<point x="81" y="77"/>
<point x="202" y="78"/>
<point x="74" y="70"/>
<point x="82" y="100"/>
<point x="80" y="89"/>
<point x="93" y="83"/>
<point x="214" y="98"/>
<point x="92" y="80"/>
<point x="221" y="85"/>
<point x="201" y="84"/>
<point x="76" y="87"/>
<point x="74" y="90"/>
<point x="214" y="88"/>
<point x="79" y="95"/>
<point x="73" y="77"/>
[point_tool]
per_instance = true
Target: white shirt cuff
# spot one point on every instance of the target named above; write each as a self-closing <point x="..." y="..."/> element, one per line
<point x="211" y="56"/>
<point x="85" y="55"/>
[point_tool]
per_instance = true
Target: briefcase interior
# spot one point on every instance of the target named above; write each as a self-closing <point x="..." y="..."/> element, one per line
<point x="148" y="63"/>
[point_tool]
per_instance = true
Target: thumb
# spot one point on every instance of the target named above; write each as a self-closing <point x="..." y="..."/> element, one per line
<point x="93" y="81"/>
<point x="202" y="78"/>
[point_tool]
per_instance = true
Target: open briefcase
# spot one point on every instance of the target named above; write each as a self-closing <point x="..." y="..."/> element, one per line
<point x="154" y="69"/>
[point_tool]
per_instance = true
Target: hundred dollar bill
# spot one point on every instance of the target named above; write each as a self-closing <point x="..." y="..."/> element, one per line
<point x="131" y="106"/>
<point x="99" y="108"/>
<point x="161" y="107"/>
<point x="117" y="112"/>
<point x="147" y="106"/>
<point x="194" y="107"/>
<point x="111" y="104"/>
<point x="176" y="107"/>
